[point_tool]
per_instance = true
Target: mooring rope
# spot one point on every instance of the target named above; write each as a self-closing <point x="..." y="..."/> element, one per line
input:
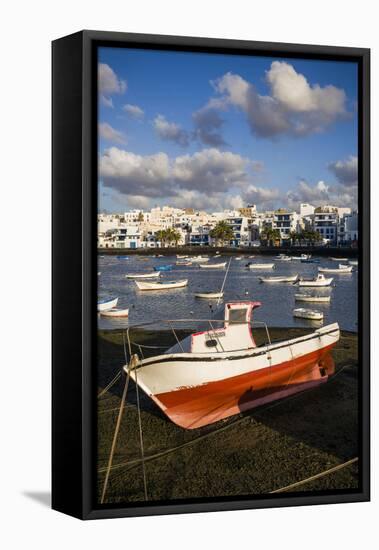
<point x="115" y="435"/>
<point x="141" y="433"/>
<point x="316" y="476"/>
<point x="111" y="383"/>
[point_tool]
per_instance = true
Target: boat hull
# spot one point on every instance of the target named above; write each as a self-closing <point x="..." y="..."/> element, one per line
<point x="193" y="408"/>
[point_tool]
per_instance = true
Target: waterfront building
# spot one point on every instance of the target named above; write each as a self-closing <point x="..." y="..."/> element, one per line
<point x="325" y="222"/>
<point x="348" y="229"/>
<point x="124" y="236"/>
<point x="285" y="222"/>
<point x="241" y="230"/>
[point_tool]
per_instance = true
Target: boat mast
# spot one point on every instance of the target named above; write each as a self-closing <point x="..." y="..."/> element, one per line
<point x="224" y="281"/>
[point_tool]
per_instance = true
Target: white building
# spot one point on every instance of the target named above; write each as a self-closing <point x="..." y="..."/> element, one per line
<point x="325" y="222"/>
<point x="124" y="236"/>
<point x="285" y="222"/>
<point x="348" y="229"/>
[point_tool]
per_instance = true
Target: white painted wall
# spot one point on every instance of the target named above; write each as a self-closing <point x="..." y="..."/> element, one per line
<point x="27" y="29"/>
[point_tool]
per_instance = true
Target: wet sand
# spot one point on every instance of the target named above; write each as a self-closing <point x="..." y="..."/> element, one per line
<point x="250" y="454"/>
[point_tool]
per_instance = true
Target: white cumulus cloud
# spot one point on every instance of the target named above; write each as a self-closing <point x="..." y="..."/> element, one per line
<point x="133" y="110"/>
<point x="109" y="84"/>
<point x="170" y="131"/>
<point x="293" y="106"/>
<point x="346" y="171"/>
<point x="106" y="131"/>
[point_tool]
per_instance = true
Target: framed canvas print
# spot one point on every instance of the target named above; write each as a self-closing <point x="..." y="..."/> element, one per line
<point x="210" y="274"/>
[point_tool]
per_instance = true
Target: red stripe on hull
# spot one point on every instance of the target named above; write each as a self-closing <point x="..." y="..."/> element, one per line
<point x="201" y="405"/>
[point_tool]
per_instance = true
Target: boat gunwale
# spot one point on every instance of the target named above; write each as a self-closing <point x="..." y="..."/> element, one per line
<point x="229" y="355"/>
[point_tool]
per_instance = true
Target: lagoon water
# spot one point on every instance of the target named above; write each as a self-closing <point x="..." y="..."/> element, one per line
<point x="277" y="300"/>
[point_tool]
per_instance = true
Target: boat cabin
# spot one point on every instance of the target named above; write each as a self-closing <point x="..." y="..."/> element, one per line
<point x="234" y="335"/>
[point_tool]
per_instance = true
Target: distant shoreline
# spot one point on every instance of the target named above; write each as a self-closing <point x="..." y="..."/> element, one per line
<point x="226" y="251"/>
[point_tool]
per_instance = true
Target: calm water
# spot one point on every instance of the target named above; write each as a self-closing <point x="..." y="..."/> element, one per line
<point x="277" y="300"/>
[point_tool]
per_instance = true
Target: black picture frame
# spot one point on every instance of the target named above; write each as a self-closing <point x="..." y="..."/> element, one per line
<point x="74" y="206"/>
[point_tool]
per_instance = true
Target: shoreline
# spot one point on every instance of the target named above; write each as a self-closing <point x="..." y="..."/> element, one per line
<point x="227" y="251"/>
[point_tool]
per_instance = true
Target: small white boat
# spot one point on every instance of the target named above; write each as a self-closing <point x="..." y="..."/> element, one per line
<point x="311" y="314"/>
<point x="338" y="259"/>
<point x="213" y="266"/>
<point x="353" y="262"/>
<point x="152" y="275"/>
<point x="115" y="312"/>
<point x="98" y="273"/>
<point x="290" y="279"/>
<point x="341" y="269"/>
<point x="166" y="285"/>
<point x="200" y="259"/>
<point x="106" y="304"/>
<point x="181" y="256"/>
<point x="311" y="298"/>
<point x="260" y="266"/>
<point x="301" y="257"/>
<point x="209" y="295"/>
<point x="183" y="262"/>
<point x="320" y="280"/>
<point x="238" y="258"/>
<point x="283" y="258"/>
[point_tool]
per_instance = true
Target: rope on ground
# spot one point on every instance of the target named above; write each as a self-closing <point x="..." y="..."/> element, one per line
<point x="108" y="387"/>
<point x="316" y="476"/>
<point x="141" y="433"/>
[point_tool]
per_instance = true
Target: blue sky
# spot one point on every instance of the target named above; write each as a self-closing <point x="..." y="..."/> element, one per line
<point x="212" y="131"/>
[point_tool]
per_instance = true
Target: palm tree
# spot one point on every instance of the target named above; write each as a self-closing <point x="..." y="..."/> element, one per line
<point x="161" y="236"/>
<point x="222" y="232"/>
<point x="172" y="236"/>
<point x="270" y="235"/>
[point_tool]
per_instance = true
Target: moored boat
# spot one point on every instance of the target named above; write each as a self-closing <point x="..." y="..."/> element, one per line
<point x="252" y="265"/>
<point x="338" y="259"/>
<point x="311" y="314"/>
<point x="106" y="304"/>
<point x="183" y="262"/>
<point x="353" y="262"/>
<point x="152" y="275"/>
<point x="340" y="269"/>
<point x="320" y="280"/>
<point x="209" y="295"/>
<point x="311" y="298"/>
<point x="199" y="259"/>
<point x="167" y="267"/>
<point x="115" y="312"/>
<point x="213" y="374"/>
<point x="181" y="256"/>
<point x="283" y="258"/>
<point x="301" y="257"/>
<point x="161" y="285"/>
<point x="280" y="279"/>
<point x="213" y="266"/>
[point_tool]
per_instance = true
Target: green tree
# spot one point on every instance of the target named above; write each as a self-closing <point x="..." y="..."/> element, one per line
<point x="161" y="236"/>
<point x="141" y="217"/>
<point x="222" y="232"/>
<point x="172" y="236"/>
<point x="270" y="235"/>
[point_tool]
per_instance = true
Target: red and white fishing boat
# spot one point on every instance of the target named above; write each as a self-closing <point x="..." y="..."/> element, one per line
<point x="220" y="372"/>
